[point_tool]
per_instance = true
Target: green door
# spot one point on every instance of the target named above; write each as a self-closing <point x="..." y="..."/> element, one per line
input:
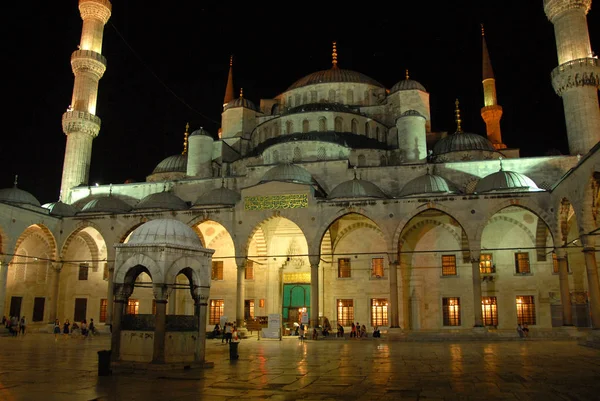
<point x="295" y="297"/>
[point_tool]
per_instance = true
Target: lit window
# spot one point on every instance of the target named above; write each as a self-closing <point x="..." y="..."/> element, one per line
<point x="344" y="270"/>
<point x="377" y="267"/>
<point x="486" y="265"/>
<point x="216" y="311"/>
<point x="103" y="309"/>
<point x="217" y="270"/>
<point x="451" y="310"/>
<point x="379" y="312"/>
<point x="522" y="263"/>
<point x="133" y="306"/>
<point x="525" y="310"/>
<point x="261" y="303"/>
<point x="489" y="308"/>
<point x="448" y="265"/>
<point x="345" y="311"/>
<point x="83" y="271"/>
<point x="249" y="309"/>
<point x="249" y="270"/>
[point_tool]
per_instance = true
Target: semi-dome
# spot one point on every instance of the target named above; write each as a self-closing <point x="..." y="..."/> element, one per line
<point x="407" y="84"/>
<point x="334" y="75"/>
<point x="162" y="200"/>
<point x="165" y="231"/>
<point x="428" y="184"/>
<point x="241" y="102"/>
<point x="288" y="172"/>
<point x="61" y="209"/>
<point x="201" y="131"/>
<point x="503" y="181"/>
<point x="106" y="204"/>
<point x="18" y="196"/>
<point x="462" y="141"/>
<point x="172" y="164"/>
<point x="218" y="196"/>
<point x="357" y="188"/>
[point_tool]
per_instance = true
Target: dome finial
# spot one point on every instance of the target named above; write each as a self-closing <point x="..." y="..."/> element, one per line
<point x="334" y="55"/>
<point x="482" y="30"/>
<point x="407" y="74"/>
<point x="355" y="172"/>
<point x="185" y="138"/>
<point x="457" y="115"/>
<point x="165" y="187"/>
<point x="110" y="190"/>
<point x="16" y="179"/>
<point x="241" y="93"/>
<point x="231" y="60"/>
<point x="501" y="168"/>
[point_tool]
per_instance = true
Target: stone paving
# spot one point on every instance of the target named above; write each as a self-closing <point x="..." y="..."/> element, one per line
<point x="36" y="367"/>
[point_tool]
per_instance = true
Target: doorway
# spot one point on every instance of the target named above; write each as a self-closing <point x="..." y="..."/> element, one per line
<point x="296" y="302"/>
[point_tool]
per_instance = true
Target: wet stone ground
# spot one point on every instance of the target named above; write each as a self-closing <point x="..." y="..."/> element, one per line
<point x="36" y="367"/>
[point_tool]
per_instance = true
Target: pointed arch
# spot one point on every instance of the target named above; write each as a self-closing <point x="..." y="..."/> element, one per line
<point x="44" y="234"/>
<point x="134" y="262"/>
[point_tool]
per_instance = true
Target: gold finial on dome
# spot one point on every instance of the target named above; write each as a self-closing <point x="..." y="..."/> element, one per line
<point x="241" y="93"/>
<point x="457" y="115"/>
<point x="185" y="138"/>
<point x="407" y="74"/>
<point x="482" y="30"/>
<point x="16" y="179"/>
<point x="231" y="60"/>
<point x="334" y="55"/>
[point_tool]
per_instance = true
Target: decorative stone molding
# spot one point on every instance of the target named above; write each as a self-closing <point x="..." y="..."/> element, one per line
<point x="81" y="121"/>
<point x="97" y="9"/>
<point x="554" y="8"/>
<point x="576" y="73"/>
<point x="83" y="61"/>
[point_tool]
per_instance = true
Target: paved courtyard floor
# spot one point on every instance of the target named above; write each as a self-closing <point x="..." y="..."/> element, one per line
<point x="36" y="367"/>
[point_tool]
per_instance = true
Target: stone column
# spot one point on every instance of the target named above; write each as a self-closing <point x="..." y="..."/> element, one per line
<point x="122" y="293"/>
<point x="477" y="310"/>
<point x="405" y="270"/>
<point x="240" y="293"/>
<point x="394" y="318"/>
<point x="56" y="268"/>
<point x="172" y="304"/>
<point x="109" y="296"/>
<point x="589" y="252"/>
<point x="160" y="324"/>
<point x="314" y="290"/>
<point x="3" y="281"/>
<point x="565" y="293"/>
<point x="200" y="296"/>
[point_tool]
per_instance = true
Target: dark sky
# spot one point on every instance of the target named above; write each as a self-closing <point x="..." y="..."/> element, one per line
<point x="168" y="64"/>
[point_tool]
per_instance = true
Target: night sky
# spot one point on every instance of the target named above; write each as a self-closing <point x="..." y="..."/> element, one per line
<point x="168" y="65"/>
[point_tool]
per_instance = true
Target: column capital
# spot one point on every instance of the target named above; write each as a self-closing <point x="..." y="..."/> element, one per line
<point x="314" y="259"/>
<point x="122" y="292"/>
<point x="240" y="262"/>
<point x="161" y="292"/>
<point x="200" y="295"/>
<point x="57" y="266"/>
<point x="561" y="252"/>
<point x="475" y="255"/>
<point x="588" y="242"/>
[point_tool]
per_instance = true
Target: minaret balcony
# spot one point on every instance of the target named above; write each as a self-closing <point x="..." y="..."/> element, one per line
<point x="88" y="61"/>
<point x="576" y="73"/>
<point x="81" y="121"/>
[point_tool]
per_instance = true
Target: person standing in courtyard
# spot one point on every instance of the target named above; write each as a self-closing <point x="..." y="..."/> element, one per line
<point x="66" y="328"/>
<point x="56" y="329"/>
<point x="22" y="325"/>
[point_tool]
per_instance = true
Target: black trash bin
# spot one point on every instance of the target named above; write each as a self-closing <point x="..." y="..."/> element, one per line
<point x="104" y="363"/>
<point x="233" y="350"/>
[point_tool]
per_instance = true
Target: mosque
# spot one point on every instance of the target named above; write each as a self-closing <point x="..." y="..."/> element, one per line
<point x="334" y="199"/>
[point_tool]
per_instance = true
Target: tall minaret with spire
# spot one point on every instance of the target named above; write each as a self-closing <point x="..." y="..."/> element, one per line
<point x="577" y="77"/>
<point x="229" y="88"/>
<point x="491" y="112"/>
<point x="80" y="123"/>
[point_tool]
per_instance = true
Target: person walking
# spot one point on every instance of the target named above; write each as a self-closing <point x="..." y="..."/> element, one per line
<point x="353" y="331"/>
<point x="14" y="325"/>
<point x="92" y="328"/>
<point x="56" y="329"/>
<point x="301" y="332"/>
<point x="22" y="325"/>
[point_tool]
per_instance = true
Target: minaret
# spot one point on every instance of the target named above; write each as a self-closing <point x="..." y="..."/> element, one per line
<point x="577" y="77"/>
<point x="229" y="88"/>
<point x="491" y="112"/>
<point x="80" y="123"/>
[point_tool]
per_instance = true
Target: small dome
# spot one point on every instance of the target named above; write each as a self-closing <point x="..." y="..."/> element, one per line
<point x="241" y="102"/>
<point x="218" y="196"/>
<point x="406" y="85"/>
<point x="357" y="189"/>
<point x="334" y="75"/>
<point x="428" y="184"/>
<point x="106" y="204"/>
<point x="505" y="181"/>
<point x="165" y="231"/>
<point x="462" y="141"/>
<point x="201" y="131"/>
<point x="288" y="173"/>
<point x="172" y="164"/>
<point x="61" y="209"/>
<point x="162" y="200"/>
<point x="18" y="196"/>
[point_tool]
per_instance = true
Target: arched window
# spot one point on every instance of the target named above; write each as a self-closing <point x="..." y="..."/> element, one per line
<point x="350" y="97"/>
<point x="362" y="161"/>
<point x="378" y="134"/>
<point x="382" y="160"/>
<point x="321" y="154"/>
<point x="305" y="126"/>
<point x="275" y="157"/>
<point x="367" y="130"/>
<point x="297" y="155"/>
<point x="304" y="98"/>
<point x="289" y="127"/>
<point x="313" y="96"/>
<point x="322" y="124"/>
<point x="276" y="129"/>
<point x="331" y="96"/>
<point x="338" y="124"/>
<point x="354" y="127"/>
<point x="290" y="102"/>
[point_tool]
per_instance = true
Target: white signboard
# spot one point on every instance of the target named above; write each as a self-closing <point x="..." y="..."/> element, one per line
<point x="274" y="321"/>
<point x="305" y="318"/>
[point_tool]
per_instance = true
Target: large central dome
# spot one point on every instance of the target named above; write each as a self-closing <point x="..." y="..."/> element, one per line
<point x="334" y="75"/>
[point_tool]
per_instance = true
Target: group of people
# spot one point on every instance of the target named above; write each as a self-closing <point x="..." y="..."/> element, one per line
<point x="228" y="333"/>
<point x="15" y="325"/>
<point x="83" y="328"/>
<point x="523" y="330"/>
<point x="358" y="331"/>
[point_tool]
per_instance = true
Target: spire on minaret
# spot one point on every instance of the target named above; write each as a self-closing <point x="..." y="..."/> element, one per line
<point x="407" y="77"/>
<point x="229" y="88"/>
<point x="241" y="93"/>
<point x="457" y="117"/>
<point x="186" y="134"/>
<point x="491" y="111"/>
<point x="334" y="55"/>
<point x="16" y="179"/>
